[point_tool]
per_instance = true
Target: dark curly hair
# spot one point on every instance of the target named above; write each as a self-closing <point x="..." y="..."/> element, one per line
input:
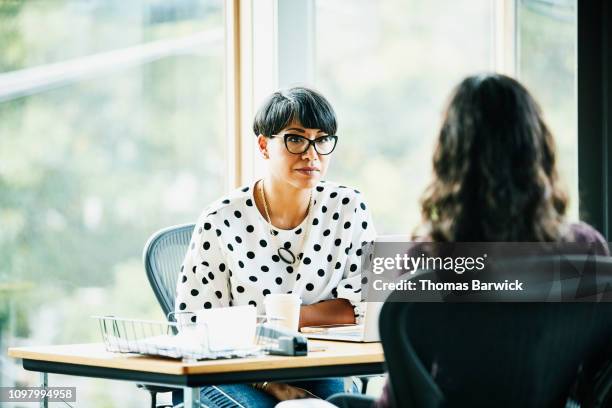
<point x="495" y="176"/>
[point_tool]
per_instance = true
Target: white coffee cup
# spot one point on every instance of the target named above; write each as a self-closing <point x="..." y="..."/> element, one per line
<point x="283" y="310"/>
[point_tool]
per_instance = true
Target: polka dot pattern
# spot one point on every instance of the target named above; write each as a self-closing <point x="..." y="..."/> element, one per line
<point x="232" y="235"/>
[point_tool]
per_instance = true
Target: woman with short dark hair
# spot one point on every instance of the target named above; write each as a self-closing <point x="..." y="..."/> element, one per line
<point x="290" y="232"/>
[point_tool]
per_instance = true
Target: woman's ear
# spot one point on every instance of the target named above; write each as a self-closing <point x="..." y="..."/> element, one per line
<point x="262" y="142"/>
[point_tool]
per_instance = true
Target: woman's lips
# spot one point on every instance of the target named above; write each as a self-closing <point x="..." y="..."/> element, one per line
<point x="309" y="171"/>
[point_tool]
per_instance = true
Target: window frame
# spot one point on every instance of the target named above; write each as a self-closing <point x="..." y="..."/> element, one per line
<point x="594" y="113"/>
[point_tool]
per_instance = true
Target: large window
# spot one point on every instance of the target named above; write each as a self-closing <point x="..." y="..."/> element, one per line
<point x="115" y="122"/>
<point x="546" y="55"/>
<point x="389" y="66"/>
<point x="109" y="130"/>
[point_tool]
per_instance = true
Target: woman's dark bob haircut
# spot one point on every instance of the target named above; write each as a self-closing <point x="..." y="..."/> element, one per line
<point x="305" y="105"/>
<point x="495" y="168"/>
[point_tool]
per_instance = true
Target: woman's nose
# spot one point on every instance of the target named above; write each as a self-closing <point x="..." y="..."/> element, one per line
<point x="310" y="154"/>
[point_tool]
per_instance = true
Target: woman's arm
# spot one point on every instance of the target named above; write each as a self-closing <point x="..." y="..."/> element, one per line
<point x="363" y="234"/>
<point x="333" y="311"/>
<point x="203" y="279"/>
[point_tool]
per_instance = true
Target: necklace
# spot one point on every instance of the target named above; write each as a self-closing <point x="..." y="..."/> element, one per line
<point x="285" y="253"/>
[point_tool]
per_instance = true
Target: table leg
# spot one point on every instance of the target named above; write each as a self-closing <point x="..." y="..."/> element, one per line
<point x="44" y="403"/>
<point x="191" y="396"/>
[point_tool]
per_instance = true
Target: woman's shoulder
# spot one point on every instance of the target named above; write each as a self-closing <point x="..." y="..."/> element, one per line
<point x="583" y="233"/>
<point x="335" y="186"/>
<point x="331" y="190"/>
<point x="235" y="202"/>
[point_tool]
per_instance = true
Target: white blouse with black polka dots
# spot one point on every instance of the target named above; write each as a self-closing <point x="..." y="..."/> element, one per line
<point x="233" y="260"/>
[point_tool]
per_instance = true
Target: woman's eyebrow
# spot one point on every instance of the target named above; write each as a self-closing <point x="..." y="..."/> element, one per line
<point x="303" y="131"/>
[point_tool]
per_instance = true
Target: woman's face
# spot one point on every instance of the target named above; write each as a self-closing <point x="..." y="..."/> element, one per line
<point x="302" y="170"/>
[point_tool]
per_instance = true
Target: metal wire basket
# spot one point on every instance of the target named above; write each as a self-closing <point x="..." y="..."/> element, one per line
<point x="169" y="339"/>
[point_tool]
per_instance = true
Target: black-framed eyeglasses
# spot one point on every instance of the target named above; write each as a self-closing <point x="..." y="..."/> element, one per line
<point x="297" y="144"/>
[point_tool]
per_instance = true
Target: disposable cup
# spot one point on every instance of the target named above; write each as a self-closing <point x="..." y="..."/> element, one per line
<point x="283" y="310"/>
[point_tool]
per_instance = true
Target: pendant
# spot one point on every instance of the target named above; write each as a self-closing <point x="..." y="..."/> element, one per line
<point x="286" y="255"/>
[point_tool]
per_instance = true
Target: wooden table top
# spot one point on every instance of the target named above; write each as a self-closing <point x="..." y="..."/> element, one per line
<point x="94" y="354"/>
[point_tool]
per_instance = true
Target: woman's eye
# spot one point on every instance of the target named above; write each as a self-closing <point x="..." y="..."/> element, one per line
<point x="324" y="139"/>
<point x="294" y="139"/>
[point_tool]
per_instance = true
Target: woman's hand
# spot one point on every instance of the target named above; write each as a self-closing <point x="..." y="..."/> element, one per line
<point x="333" y="311"/>
<point x="284" y="392"/>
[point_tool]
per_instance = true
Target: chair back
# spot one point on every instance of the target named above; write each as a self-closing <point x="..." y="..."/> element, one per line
<point x="163" y="255"/>
<point x="494" y="354"/>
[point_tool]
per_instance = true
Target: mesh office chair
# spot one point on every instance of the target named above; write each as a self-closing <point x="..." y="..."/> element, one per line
<point x="162" y="256"/>
<point x="499" y="354"/>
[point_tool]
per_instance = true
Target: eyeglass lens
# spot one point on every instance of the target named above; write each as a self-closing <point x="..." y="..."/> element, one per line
<point x="298" y="144"/>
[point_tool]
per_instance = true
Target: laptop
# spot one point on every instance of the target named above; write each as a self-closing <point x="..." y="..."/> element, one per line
<point x="368" y="331"/>
<point x="363" y="333"/>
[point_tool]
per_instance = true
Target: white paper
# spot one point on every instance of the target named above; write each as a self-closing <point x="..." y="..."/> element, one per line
<point x="227" y="328"/>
